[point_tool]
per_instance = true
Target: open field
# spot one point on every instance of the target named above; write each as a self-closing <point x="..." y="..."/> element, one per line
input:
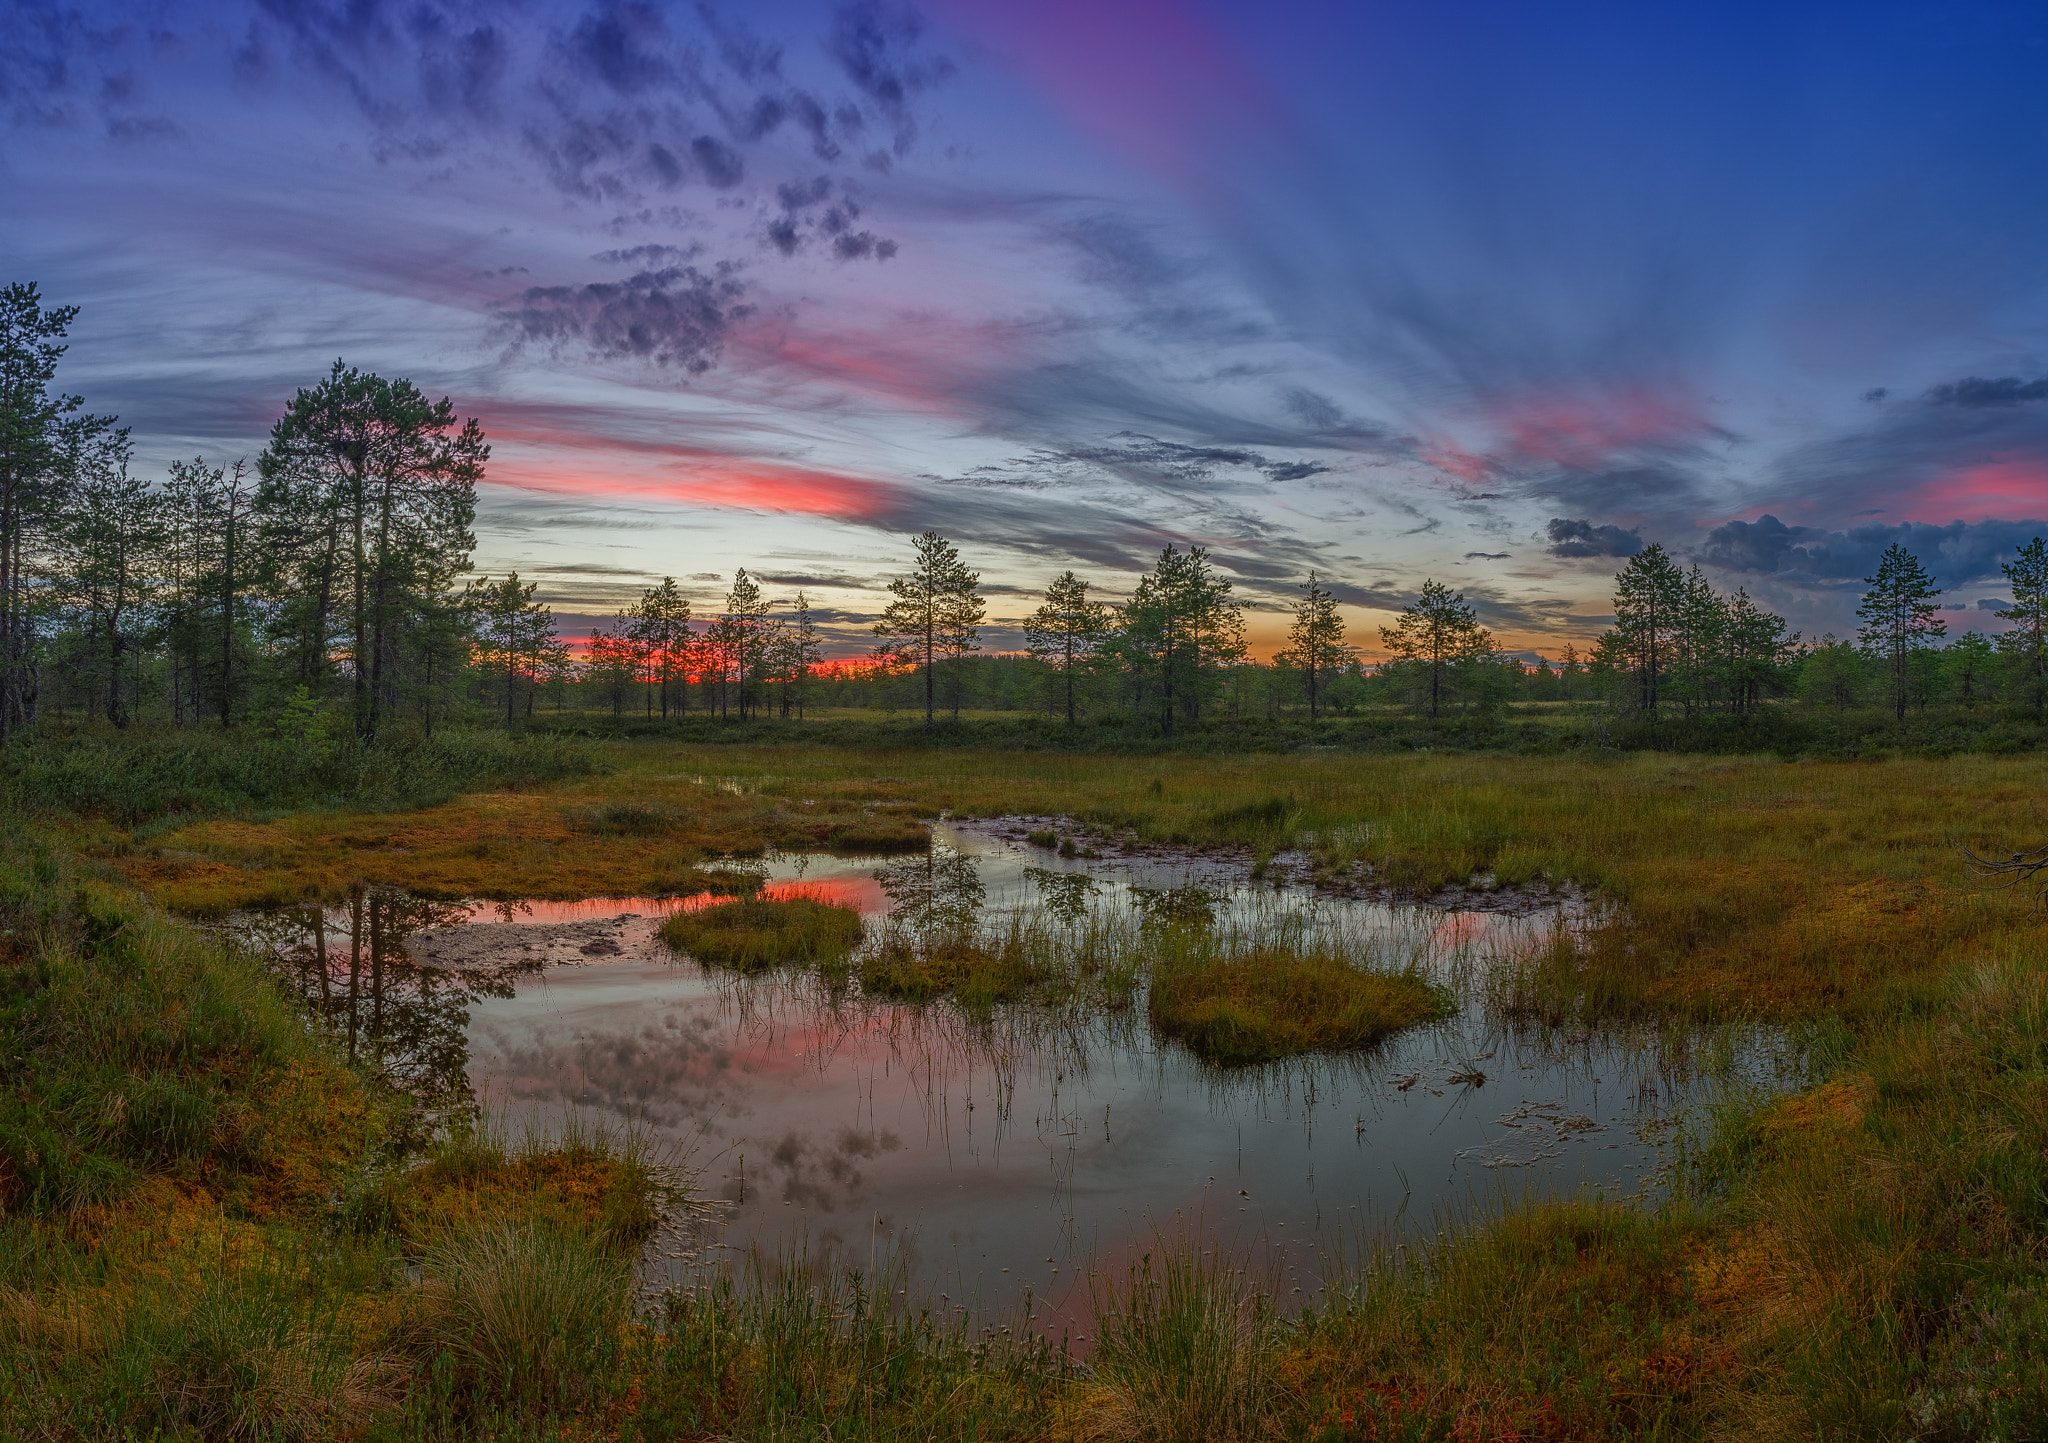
<point x="216" y="1225"/>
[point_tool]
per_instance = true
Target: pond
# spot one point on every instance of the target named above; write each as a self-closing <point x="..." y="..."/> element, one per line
<point x="1003" y="1151"/>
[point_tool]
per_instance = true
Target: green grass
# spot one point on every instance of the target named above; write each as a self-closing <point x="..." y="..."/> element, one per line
<point x="134" y="777"/>
<point x="1238" y="995"/>
<point x="752" y="933"/>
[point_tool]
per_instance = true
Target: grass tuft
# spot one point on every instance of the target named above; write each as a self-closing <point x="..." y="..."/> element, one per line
<point x="1248" y="994"/>
<point x="528" y="1312"/>
<point x="1185" y="1351"/>
<point x="752" y="933"/>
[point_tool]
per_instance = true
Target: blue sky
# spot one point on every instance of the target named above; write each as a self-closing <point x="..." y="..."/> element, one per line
<point x="1486" y="292"/>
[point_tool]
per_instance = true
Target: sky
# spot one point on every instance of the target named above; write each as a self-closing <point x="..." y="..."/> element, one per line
<point x="1490" y="293"/>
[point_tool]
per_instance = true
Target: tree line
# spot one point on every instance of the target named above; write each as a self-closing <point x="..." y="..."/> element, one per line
<point x="332" y="574"/>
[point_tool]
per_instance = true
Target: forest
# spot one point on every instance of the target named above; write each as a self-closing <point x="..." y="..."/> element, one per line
<point x="328" y="581"/>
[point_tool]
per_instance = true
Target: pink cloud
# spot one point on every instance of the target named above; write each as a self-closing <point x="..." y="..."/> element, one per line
<point x="2003" y="489"/>
<point x="1581" y="432"/>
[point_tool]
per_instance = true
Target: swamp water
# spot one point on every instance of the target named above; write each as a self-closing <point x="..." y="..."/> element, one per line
<point x="1001" y="1153"/>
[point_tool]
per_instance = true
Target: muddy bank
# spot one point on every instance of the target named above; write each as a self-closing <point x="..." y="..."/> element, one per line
<point x="627" y="937"/>
<point x="1235" y="866"/>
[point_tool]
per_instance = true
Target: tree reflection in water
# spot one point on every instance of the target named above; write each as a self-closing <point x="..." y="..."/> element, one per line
<point x="937" y="896"/>
<point x="406" y="1021"/>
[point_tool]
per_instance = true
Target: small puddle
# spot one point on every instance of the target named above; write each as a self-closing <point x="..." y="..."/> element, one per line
<point x="1005" y="1154"/>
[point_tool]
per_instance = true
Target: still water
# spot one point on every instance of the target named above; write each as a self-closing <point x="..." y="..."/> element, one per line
<point x="990" y="1155"/>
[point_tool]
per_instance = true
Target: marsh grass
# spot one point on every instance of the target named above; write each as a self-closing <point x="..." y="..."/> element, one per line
<point x="1239" y="994"/>
<point x="790" y="1347"/>
<point x="527" y="1311"/>
<point x="1185" y="1348"/>
<point x="752" y="933"/>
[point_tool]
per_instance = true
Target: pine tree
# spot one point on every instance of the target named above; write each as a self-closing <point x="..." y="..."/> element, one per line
<point x="512" y="632"/>
<point x="747" y="635"/>
<point x="1754" y="650"/>
<point x="1067" y="633"/>
<point x="1441" y="631"/>
<point x="1180" y="631"/>
<point x="1967" y="664"/>
<point x="936" y="613"/>
<point x="659" y="623"/>
<point x="1315" y="642"/>
<point x="2026" y="645"/>
<point x="42" y="435"/>
<point x="370" y="488"/>
<point x="1899" y="616"/>
<point x="106" y="561"/>
<point x="1648" y="601"/>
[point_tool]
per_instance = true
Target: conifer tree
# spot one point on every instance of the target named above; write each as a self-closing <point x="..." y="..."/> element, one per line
<point x="1441" y="631"/>
<point x="936" y="613"/>
<point x="1315" y="642"/>
<point x="1899" y="617"/>
<point x="1180" y="631"/>
<point x="43" y="434"/>
<point x="369" y="490"/>
<point x="512" y="631"/>
<point x="2026" y="645"/>
<point x="1067" y="633"/>
<point x="1649" y="599"/>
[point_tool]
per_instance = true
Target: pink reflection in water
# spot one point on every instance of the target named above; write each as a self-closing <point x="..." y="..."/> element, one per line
<point x="863" y="894"/>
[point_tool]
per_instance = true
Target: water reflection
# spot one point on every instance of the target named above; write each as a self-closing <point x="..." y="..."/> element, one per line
<point x="1006" y="1147"/>
<point x="351" y="966"/>
<point x="935" y="896"/>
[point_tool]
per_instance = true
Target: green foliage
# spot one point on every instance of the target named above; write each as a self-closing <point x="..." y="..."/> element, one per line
<point x="1439" y="633"/>
<point x="133" y="777"/>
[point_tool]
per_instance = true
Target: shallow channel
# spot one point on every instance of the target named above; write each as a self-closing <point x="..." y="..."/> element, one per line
<point x="1013" y="1151"/>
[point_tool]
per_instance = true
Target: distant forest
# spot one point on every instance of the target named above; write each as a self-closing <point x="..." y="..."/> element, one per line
<point x="327" y="585"/>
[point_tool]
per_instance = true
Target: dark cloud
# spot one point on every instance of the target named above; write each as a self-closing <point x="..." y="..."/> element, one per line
<point x="647" y="255"/>
<point x="1811" y="557"/>
<point x="1488" y="555"/>
<point x="677" y="316"/>
<point x="1910" y="444"/>
<point x="608" y="98"/>
<point x="1975" y="391"/>
<point x="1583" y="538"/>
